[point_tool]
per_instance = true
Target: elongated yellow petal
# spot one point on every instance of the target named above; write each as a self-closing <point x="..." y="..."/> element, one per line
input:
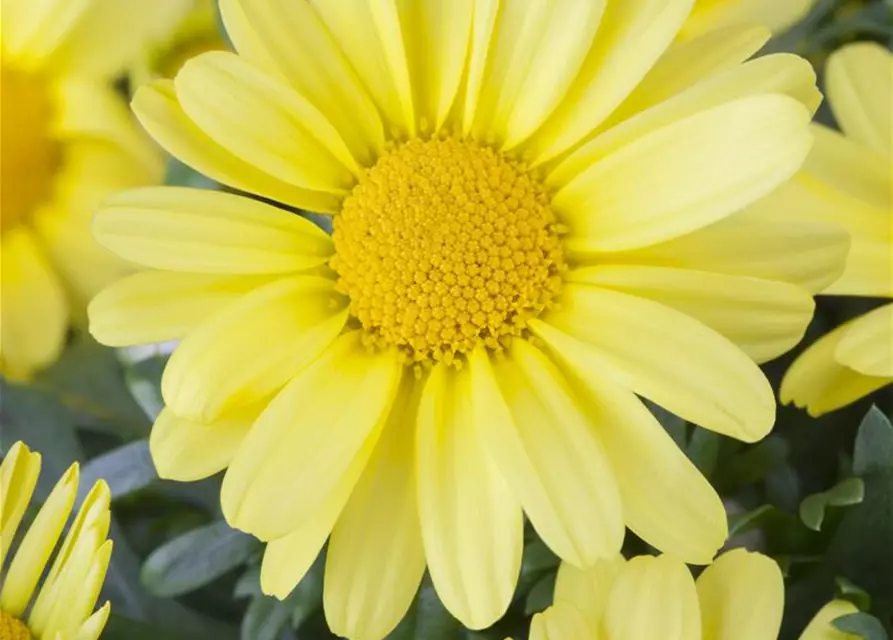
<point x="186" y="450"/>
<point x="821" y="628"/>
<point x="547" y="451"/>
<point x="93" y="626"/>
<point x="376" y="545"/>
<point x="860" y="88"/>
<point x="252" y="348"/>
<point x="775" y="14"/>
<point x="483" y="28"/>
<point x="341" y="400"/>
<point x="587" y="590"/>
<point x="257" y="117"/>
<point x="311" y="61"/>
<point x="669" y="358"/>
<point x="471" y="522"/>
<point x="685" y="175"/>
<point x="156" y="306"/>
<point x="203" y="231"/>
<point x="561" y="621"/>
<point x="159" y="111"/>
<point x="653" y="598"/>
<point x="18" y="477"/>
<point x="764" y="318"/>
<point x="666" y="501"/>
<point x="246" y="41"/>
<point x="84" y="585"/>
<point x="867" y="344"/>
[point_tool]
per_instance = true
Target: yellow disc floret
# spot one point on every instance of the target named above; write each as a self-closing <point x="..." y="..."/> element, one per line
<point x="446" y="244"/>
<point x="12" y="628"/>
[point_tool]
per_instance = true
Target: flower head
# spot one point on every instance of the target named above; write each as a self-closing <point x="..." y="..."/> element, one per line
<point x="67" y="141"/>
<point x="847" y="180"/>
<point x="62" y="606"/>
<point x="738" y="597"/>
<point x="537" y="216"/>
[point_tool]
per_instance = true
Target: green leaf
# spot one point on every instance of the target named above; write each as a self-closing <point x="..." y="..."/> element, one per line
<point x="744" y="522"/>
<point x="427" y="619"/>
<point x="126" y="469"/>
<point x="703" y="449"/>
<point x="848" y="492"/>
<point x="540" y="596"/>
<point x="874" y="445"/>
<point x="196" y="558"/>
<point x="861" y="624"/>
<point x="673" y="424"/>
<point x="306" y="598"/>
<point x="846" y="590"/>
<point x="266" y="619"/>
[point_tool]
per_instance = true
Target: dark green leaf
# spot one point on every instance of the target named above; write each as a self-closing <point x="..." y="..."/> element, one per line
<point x="126" y="469"/>
<point x="673" y="424"/>
<point x="846" y="590"/>
<point x="861" y="624"/>
<point x="306" y="598"/>
<point x="540" y="596"/>
<point x="702" y="450"/>
<point x="196" y="558"/>
<point x="266" y="619"/>
<point x="874" y="445"/>
<point x="427" y="619"/>
<point x="744" y="522"/>
<point x="848" y="492"/>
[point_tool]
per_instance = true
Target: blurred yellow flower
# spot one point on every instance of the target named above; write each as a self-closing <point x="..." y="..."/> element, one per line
<point x="67" y="142"/>
<point x="62" y="607"/>
<point x="848" y="180"/>
<point x="777" y="15"/>
<point x="534" y="224"/>
<point x="738" y="597"/>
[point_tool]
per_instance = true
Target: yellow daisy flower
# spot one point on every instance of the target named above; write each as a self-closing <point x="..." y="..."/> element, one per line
<point x="62" y="607"/>
<point x="738" y="597"/>
<point x="67" y="141"/>
<point x="777" y="15"/>
<point x="533" y="224"/>
<point x="848" y="180"/>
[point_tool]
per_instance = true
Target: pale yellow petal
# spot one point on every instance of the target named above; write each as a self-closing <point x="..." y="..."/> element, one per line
<point x="322" y="425"/>
<point x="252" y="348"/>
<point x="860" y="89"/>
<point x="867" y="344"/>
<point x="94" y="625"/>
<point x="741" y="596"/>
<point x="203" y="231"/>
<point x="35" y="311"/>
<point x="545" y="447"/>
<point x="774" y="14"/>
<point x="632" y="36"/>
<point x="157" y="306"/>
<point x="561" y="621"/>
<point x="483" y="28"/>
<point x="376" y="545"/>
<point x="472" y="524"/>
<point x="670" y="358"/>
<point x="685" y="175"/>
<point x="821" y="627"/>
<point x="159" y="111"/>
<point x="257" y="117"/>
<point x="18" y="477"/>
<point x="309" y="58"/>
<point x="245" y="39"/>
<point x="653" y="598"/>
<point x="186" y="450"/>
<point x="666" y="501"/>
<point x="817" y="382"/>
<point x="84" y="587"/>
<point x="588" y="589"/>
<point x="764" y="318"/>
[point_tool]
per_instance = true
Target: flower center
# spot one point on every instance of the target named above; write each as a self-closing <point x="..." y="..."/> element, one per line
<point x="446" y="244"/>
<point x="28" y="154"/>
<point x="11" y="628"/>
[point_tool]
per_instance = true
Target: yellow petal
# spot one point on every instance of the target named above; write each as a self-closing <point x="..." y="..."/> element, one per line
<point x="370" y="35"/>
<point x="561" y="621"/>
<point x="686" y="175"/>
<point x="821" y="627"/>
<point x="867" y="344"/>
<point x="808" y="254"/>
<point x="666" y="501"/>
<point x="669" y="358"/>
<point x="94" y="625"/>
<point x="587" y="590"/>
<point x="253" y="347"/>
<point x="157" y="306"/>
<point x="632" y="36"/>
<point x="376" y="545"/>
<point x="860" y="89"/>
<point x="483" y="28"/>
<point x="472" y="524"/>
<point x="34" y="551"/>
<point x="84" y="585"/>
<point x="764" y="318"/>
<point x="546" y="448"/>
<point x="817" y="382"/>
<point x="34" y="310"/>
<point x="245" y="39"/>
<point x="653" y="598"/>
<point x="257" y="117"/>
<point x="783" y="74"/>
<point x="323" y="424"/>
<point x="741" y="596"/>
<point x="159" y="111"/>
<point x="185" y="450"/>
<point x="311" y="61"/>
<point x="775" y="14"/>
<point x="18" y="477"/>
<point x="203" y="231"/>
<point x="535" y="54"/>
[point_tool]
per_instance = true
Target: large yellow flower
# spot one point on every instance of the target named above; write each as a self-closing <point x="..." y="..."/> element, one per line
<point x="67" y="141"/>
<point x="738" y="597"/>
<point x="848" y="180"/>
<point x="778" y="15"/>
<point x="533" y="223"/>
<point x="62" y="607"/>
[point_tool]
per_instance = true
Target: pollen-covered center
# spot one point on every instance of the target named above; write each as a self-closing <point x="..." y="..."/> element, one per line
<point x="11" y="628"/>
<point x="446" y="244"/>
